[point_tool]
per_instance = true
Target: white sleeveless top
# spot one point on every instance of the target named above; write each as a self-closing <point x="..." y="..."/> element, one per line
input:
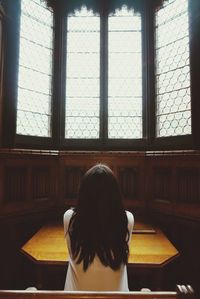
<point x="97" y="277"/>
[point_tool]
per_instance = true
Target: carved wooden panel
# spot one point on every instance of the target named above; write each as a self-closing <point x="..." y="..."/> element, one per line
<point x="188" y="185"/>
<point x="162" y="184"/>
<point x="73" y="175"/>
<point x="128" y="178"/>
<point x="15" y="184"/>
<point x="41" y="183"/>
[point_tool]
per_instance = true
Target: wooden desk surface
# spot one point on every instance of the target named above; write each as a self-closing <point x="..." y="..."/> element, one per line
<point x="148" y="247"/>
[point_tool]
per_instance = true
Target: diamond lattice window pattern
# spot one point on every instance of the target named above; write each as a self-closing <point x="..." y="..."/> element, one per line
<point x="173" y="114"/>
<point x="83" y="75"/>
<point x="35" y="69"/>
<point x="124" y="75"/>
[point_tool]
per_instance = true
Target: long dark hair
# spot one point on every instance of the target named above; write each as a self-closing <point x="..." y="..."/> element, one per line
<point x="99" y="224"/>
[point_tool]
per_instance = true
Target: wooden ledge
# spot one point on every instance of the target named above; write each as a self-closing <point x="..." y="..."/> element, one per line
<point x="182" y="292"/>
<point x="175" y="153"/>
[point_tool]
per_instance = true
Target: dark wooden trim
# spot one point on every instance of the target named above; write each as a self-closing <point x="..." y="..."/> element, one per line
<point x="108" y="144"/>
<point x="33" y="142"/>
<point x="150" y="73"/>
<point x="182" y="292"/>
<point x="12" y="31"/>
<point x="172" y="143"/>
<point x="59" y="79"/>
<point x="161" y="144"/>
<point x="104" y="76"/>
<point x="194" y="24"/>
<point x="144" y="74"/>
<point x="2" y="46"/>
<point x="191" y="154"/>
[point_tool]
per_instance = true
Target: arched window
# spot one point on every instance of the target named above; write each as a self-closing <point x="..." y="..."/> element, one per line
<point x="124" y="74"/>
<point x="82" y="109"/>
<point x="100" y="75"/>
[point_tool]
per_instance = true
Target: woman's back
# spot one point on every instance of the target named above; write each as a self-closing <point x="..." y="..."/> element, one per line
<point x="97" y="231"/>
<point x="97" y="277"/>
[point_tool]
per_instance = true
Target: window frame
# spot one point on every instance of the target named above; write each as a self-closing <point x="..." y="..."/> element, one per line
<point x="169" y="142"/>
<point x="58" y="141"/>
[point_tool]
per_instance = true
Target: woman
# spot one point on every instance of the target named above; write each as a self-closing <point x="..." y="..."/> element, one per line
<point x="97" y="232"/>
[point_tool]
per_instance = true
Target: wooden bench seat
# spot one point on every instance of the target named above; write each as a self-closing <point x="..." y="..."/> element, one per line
<point x="182" y="292"/>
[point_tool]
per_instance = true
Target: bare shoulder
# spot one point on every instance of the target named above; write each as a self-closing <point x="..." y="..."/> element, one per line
<point x="130" y="218"/>
<point x="66" y="219"/>
<point x="68" y="213"/>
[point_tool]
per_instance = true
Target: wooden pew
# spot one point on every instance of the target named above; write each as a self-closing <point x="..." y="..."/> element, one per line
<point x="182" y="292"/>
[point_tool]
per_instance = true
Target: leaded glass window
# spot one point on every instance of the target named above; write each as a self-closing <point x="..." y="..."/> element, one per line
<point x="124" y="75"/>
<point x="173" y="114"/>
<point x="35" y="69"/>
<point x="83" y="75"/>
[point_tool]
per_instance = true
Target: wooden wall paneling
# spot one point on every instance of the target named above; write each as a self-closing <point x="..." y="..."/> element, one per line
<point x="54" y="179"/>
<point x="15" y="184"/>
<point x="60" y="189"/>
<point x="71" y="167"/>
<point x="21" y="219"/>
<point x="41" y="183"/>
<point x="131" y="177"/>
<point x="74" y="164"/>
<point x="183" y="180"/>
<point x="44" y="180"/>
<point x="173" y="183"/>
<point x="160" y="179"/>
<point x="28" y="179"/>
<point x="129" y="182"/>
<point x="166" y="182"/>
<point x="162" y="184"/>
<point x="188" y="185"/>
<point x="29" y="193"/>
<point x="2" y="184"/>
<point x="72" y="179"/>
<point x="148" y="169"/>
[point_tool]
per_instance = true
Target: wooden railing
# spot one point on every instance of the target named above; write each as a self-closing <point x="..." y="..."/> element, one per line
<point x="182" y="292"/>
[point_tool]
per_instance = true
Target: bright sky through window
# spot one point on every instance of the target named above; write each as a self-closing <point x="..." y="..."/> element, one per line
<point x="35" y="69"/>
<point x="83" y="75"/>
<point x="88" y="83"/>
<point x="124" y="75"/>
<point x="173" y="69"/>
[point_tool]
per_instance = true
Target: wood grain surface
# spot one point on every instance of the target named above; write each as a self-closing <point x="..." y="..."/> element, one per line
<point x="149" y="246"/>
